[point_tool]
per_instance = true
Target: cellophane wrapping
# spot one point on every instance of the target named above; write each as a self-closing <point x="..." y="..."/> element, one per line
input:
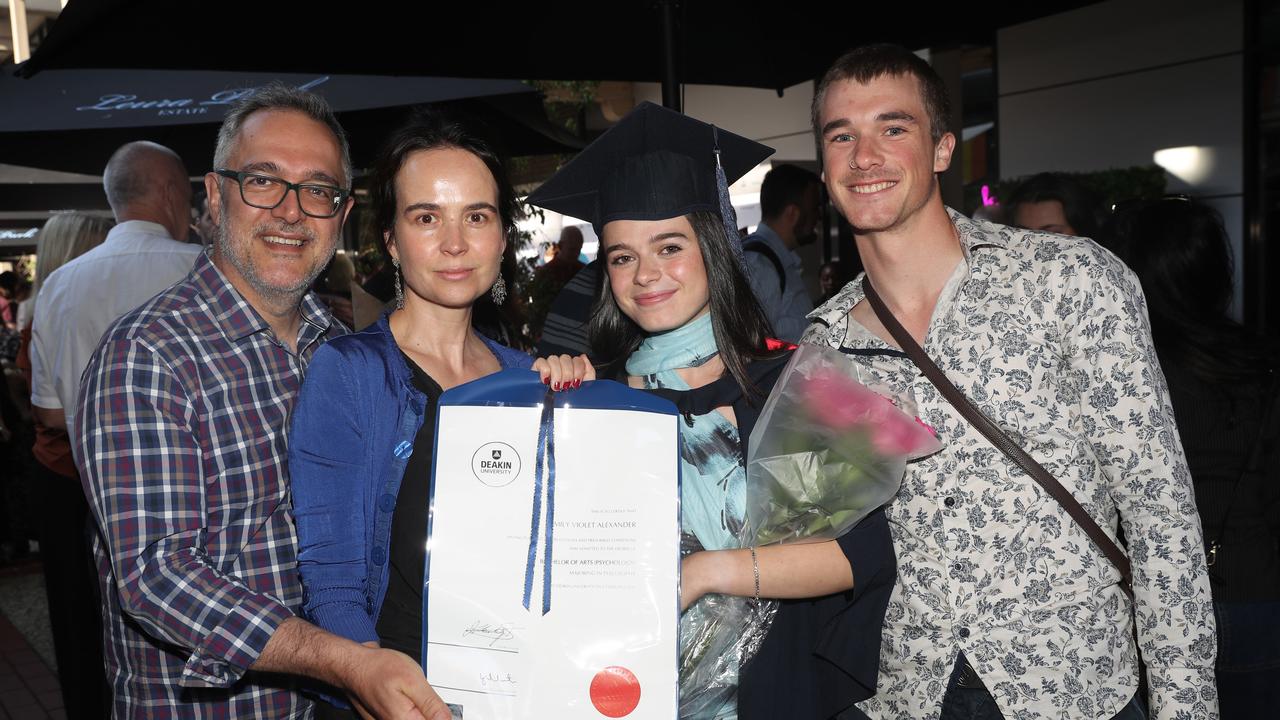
<point x="826" y="451"/>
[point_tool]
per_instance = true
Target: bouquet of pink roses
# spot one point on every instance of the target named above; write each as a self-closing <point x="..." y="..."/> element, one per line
<point x="826" y="451"/>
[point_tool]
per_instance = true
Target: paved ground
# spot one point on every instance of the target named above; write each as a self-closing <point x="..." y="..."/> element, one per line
<point x="28" y="684"/>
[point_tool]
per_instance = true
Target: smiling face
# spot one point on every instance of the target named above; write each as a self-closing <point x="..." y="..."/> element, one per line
<point x="878" y="158"/>
<point x="656" y="272"/>
<point x="273" y="256"/>
<point x="448" y="235"/>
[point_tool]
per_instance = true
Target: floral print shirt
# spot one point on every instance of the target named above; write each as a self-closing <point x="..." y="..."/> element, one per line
<point x="1048" y="336"/>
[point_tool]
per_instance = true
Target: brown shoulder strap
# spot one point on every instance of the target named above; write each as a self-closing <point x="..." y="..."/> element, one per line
<point x="997" y="437"/>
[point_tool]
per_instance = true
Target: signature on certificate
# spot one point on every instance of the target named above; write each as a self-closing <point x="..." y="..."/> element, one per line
<point x="491" y="632"/>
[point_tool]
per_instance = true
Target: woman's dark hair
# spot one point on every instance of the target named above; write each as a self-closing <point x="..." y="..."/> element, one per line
<point x="436" y="130"/>
<point x="737" y="321"/>
<point x="1079" y="204"/>
<point x="1179" y="250"/>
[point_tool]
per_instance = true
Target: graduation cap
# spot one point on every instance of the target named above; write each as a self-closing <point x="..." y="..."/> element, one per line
<point x="654" y="164"/>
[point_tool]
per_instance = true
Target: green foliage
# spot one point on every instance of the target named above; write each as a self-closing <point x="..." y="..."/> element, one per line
<point x="566" y="100"/>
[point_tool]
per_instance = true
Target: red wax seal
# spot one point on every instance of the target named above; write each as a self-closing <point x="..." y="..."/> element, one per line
<point x="615" y="691"/>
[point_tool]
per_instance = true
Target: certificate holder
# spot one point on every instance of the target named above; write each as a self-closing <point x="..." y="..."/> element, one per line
<point x="552" y="571"/>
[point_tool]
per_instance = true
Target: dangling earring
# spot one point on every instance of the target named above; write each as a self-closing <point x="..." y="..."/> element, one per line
<point x="399" y="290"/>
<point x="499" y="290"/>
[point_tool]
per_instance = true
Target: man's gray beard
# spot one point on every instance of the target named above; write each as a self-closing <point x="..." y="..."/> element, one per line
<point x="245" y="266"/>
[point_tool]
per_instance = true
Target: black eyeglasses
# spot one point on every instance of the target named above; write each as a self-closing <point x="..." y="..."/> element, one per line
<point x="267" y="192"/>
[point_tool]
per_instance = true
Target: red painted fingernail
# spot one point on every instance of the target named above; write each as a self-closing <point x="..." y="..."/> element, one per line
<point x="577" y="384"/>
<point x="556" y="387"/>
<point x="546" y="380"/>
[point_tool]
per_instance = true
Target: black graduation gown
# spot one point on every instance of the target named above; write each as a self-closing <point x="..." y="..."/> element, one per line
<point x="821" y="654"/>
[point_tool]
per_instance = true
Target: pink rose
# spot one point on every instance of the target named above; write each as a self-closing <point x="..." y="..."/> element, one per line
<point x="840" y="403"/>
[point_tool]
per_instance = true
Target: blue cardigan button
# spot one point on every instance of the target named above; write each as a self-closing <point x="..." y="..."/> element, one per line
<point x="404" y="449"/>
<point x="379" y="556"/>
<point x="387" y="502"/>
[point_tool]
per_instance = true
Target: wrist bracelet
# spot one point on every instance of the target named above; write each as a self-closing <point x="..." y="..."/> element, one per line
<point x="755" y="567"/>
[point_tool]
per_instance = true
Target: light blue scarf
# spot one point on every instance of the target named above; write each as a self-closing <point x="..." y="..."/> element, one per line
<point x="713" y="486"/>
<point x="713" y="481"/>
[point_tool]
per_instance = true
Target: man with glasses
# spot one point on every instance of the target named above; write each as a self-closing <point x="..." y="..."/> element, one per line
<point x="182" y="446"/>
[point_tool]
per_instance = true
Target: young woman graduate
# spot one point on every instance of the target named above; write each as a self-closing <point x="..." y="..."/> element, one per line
<point x="675" y="314"/>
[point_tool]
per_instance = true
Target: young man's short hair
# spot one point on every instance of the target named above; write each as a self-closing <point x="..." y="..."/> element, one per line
<point x="866" y="63"/>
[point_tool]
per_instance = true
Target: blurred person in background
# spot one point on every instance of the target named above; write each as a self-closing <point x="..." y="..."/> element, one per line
<point x="203" y="226"/>
<point x="15" y="459"/>
<point x="69" y="576"/>
<point x="564" y="264"/>
<point x="1056" y="203"/>
<point x="833" y="276"/>
<point x="334" y="287"/>
<point x="790" y="197"/>
<point x="550" y="279"/>
<point x="150" y="196"/>
<point x="1223" y="381"/>
<point x="8" y="300"/>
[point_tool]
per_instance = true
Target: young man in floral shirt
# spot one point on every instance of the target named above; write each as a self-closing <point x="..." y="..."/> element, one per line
<point x="1004" y="607"/>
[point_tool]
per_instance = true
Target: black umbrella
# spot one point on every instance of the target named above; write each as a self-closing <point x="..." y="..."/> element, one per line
<point x="72" y="120"/>
<point x="746" y="43"/>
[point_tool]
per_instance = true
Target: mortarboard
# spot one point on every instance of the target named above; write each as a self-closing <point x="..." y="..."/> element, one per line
<point x="654" y="164"/>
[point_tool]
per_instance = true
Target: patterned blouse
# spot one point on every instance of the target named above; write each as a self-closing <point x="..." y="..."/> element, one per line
<point x="1048" y="335"/>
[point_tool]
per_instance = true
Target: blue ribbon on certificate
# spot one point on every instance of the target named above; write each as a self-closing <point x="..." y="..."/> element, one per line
<point x="545" y="465"/>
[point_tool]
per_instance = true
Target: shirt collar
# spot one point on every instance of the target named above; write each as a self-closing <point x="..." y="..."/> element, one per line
<point x="978" y="233"/>
<point x="237" y="318"/>
<point x="317" y="320"/>
<point x="139" y="226"/>
<point x="973" y="234"/>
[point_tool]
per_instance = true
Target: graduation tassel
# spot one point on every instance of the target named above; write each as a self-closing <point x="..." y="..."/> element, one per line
<point x="727" y="215"/>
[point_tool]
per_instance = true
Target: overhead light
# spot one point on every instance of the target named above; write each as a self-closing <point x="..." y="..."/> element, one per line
<point x="1191" y="164"/>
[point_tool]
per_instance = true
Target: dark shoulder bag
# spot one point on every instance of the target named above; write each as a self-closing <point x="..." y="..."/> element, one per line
<point x="999" y="438"/>
<point x="759" y="247"/>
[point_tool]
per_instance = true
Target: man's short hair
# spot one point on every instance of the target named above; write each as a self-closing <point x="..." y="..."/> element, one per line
<point x="866" y="63"/>
<point x="130" y="176"/>
<point x="280" y="97"/>
<point x="784" y="185"/>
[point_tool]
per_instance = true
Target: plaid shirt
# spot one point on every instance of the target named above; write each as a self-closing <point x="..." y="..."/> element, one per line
<point x="183" y="411"/>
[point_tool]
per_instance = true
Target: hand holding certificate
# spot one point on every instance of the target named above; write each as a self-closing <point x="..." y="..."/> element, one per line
<point x="553" y="552"/>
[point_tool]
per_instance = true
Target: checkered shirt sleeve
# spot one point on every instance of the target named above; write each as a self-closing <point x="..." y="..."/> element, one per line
<point x="143" y="468"/>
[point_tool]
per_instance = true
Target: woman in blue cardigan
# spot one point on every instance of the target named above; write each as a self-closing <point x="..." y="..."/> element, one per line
<point x="360" y="444"/>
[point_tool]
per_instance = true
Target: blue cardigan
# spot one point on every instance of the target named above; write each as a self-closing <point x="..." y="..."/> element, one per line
<point x="352" y="433"/>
